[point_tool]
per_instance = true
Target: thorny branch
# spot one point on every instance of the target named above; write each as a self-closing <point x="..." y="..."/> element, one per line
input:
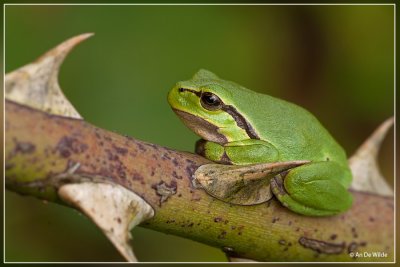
<point x="58" y="158"/>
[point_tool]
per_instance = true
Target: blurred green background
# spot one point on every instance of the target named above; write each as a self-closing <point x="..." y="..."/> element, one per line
<point x="336" y="61"/>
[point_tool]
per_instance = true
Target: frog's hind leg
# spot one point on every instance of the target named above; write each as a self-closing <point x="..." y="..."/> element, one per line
<point x="315" y="189"/>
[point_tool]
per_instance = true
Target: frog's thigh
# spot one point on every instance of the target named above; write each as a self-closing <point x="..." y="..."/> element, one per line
<point x="318" y="188"/>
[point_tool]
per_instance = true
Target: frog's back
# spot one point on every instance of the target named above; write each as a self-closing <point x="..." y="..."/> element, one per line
<point x="294" y="131"/>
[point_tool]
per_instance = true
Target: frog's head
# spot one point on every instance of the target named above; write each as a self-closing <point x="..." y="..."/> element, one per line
<point x="205" y="104"/>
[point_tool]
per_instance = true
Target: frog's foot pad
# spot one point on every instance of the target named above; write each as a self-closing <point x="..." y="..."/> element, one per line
<point x="278" y="189"/>
<point x="241" y="184"/>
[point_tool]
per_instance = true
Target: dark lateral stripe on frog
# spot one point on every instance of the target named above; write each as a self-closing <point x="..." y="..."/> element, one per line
<point x="190" y="90"/>
<point x="240" y="120"/>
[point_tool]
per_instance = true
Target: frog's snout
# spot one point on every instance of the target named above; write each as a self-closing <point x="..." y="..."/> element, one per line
<point x="173" y="94"/>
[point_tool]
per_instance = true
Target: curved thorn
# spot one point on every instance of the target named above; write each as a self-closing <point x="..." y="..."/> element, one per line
<point x="113" y="208"/>
<point x="36" y="84"/>
<point x="364" y="165"/>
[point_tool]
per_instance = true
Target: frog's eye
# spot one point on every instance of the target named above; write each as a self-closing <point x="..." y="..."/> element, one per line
<point x="210" y="101"/>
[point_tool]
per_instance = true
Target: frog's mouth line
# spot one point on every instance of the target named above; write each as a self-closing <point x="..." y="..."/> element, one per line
<point x="201" y="127"/>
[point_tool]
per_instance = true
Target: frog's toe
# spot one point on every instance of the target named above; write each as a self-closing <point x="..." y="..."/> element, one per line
<point x="311" y="199"/>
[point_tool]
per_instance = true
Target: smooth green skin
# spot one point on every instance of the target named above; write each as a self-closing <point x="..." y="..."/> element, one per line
<point x="286" y="132"/>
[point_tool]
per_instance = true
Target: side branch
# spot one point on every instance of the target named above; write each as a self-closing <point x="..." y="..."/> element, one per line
<point x="41" y="149"/>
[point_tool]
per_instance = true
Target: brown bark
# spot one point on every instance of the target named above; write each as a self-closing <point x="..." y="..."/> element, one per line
<point x="41" y="148"/>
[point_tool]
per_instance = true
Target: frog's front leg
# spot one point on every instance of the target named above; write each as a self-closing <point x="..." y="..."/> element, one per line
<point x="239" y="152"/>
<point x="315" y="189"/>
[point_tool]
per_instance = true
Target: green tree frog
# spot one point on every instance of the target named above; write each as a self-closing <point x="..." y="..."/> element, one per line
<point x="239" y="126"/>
